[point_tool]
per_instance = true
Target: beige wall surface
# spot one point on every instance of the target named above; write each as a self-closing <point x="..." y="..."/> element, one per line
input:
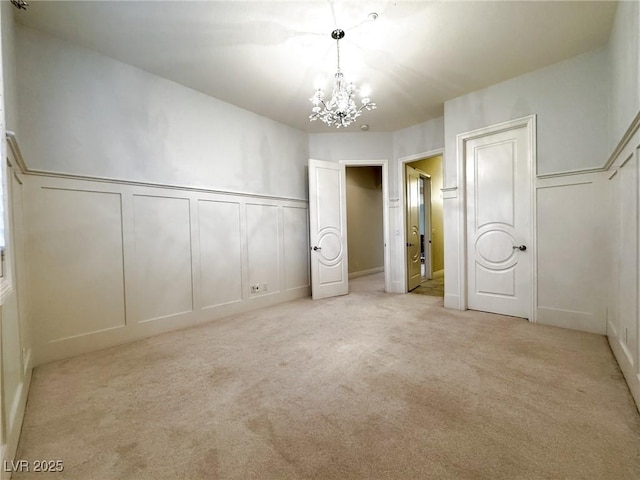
<point x="433" y="167"/>
<point x="364" y="219"/>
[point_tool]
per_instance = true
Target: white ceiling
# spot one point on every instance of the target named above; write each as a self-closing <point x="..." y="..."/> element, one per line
<point x="266" y="56"/>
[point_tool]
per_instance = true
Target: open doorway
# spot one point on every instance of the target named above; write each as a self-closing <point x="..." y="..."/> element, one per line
<point x="425" y="226"/>
<point x="365" y="227"/>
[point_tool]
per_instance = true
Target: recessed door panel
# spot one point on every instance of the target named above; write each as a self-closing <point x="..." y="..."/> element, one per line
<point x="495" y="189"/>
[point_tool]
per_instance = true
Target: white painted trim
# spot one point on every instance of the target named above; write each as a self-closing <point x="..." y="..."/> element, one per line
<point x="568" y="173"/>
<point x="15" y="149"/>
<point x="628" y="370"/>
<point x="26" y="361"/>
<point x="570" y="319"/>
<point x="364" y="273"/>
<point x="402" y="202"/>
<point x="611" y="329"/>
<point x="633" y="127"/>
<point x="449" y="193"/>
<point x="529" y="122"/>
<point x="627" y="149"/>
<point x="384" y="163"/>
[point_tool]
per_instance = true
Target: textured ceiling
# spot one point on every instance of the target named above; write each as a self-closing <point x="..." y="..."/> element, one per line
<point x="267" y="56"/>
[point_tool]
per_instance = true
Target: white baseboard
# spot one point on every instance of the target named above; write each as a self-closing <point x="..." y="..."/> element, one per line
<point x="584" y="321"/>
<point x="363" y="273"/>
<point x="395" y="287"/>
<point x="628" y="370"/>
<point x="452" y="301"/>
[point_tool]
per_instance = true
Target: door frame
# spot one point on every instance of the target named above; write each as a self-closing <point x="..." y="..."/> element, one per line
<point x="402" y="197"/>
<point x="428" y="228"/>
<point x="385" y="209"/>
<point x="528" y="122"/>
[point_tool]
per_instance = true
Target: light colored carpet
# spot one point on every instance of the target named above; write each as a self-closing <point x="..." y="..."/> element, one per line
<point x="433" y="287"/>
<point x="365" y="386"/>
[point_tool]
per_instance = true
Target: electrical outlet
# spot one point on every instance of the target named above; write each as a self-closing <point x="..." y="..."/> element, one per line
<point x="255" y="288"/>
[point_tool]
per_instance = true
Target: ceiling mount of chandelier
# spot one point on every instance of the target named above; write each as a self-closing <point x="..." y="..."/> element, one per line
<point x="341" y="110"/>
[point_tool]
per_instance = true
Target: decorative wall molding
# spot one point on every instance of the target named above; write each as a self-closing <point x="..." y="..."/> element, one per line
<point x="568" y="173"/>
<point x="449" y="192"/>
<point x="13" y="144"/>
<point x="167" y="258"/>
<point x="634" y="126"/>
<point x="621" y="221"/>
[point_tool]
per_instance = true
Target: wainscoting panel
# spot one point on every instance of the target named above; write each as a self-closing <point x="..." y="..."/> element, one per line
<point x="570" y="245"/>
<point x="110" y="262"/>
<point x="75" y="262"/>
<point x="162" y="257"/>
<point x="220" y="252"/>
<point x="628" y="260"/>
<point x="263" y="252"/>
<point x="623" y="284"/>
<point x="296" y="247"/>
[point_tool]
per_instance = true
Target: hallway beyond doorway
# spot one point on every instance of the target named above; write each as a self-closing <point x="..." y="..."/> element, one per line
<point x="433" y="287"/>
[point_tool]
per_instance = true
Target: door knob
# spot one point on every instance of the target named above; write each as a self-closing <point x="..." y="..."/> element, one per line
<point x="522" y="248"/>
<point x="317" y="249"/>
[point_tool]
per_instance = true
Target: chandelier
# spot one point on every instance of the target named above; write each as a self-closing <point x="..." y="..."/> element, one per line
<point x="342" y="109"/>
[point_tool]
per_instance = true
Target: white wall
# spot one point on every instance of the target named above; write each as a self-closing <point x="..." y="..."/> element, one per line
<point x="350" y="146"/>
<point x="570" y="102"/>
<point x="624" y="58"/>
<point x="149" y="206"/>
<point x="86" y="114"/>
<point x="15" y="339"/>
<point x="623" y="205"/>
<point x="82" y="113"/>
<point x="424" y="137"/>
<point x="9" y="66"/>
<point x="569" y="99"/>
<point x="409" y="143"/>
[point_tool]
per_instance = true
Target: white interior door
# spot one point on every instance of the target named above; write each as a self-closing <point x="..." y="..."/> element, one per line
<point x="414" y="275"/>
<point x="328" y="229"/>
<point x="498" y="183"/>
